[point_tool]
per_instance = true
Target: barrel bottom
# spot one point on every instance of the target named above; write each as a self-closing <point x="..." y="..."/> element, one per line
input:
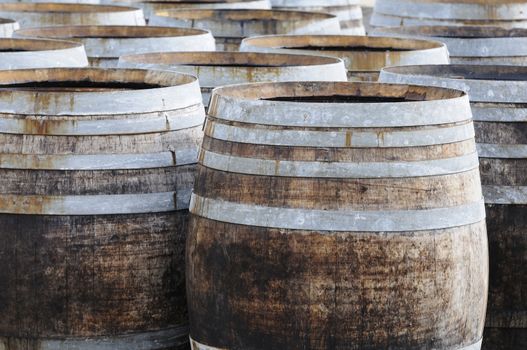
<point x="175" y="338"/>
<point x="504" y="338"/>
<point x="198" y="346"/>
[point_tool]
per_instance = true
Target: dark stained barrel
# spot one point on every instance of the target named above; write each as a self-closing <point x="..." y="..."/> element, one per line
<point x="58" y="14"/>
<point x="500" y="13"/>
<point x="498" y="97"/>
<point x="7" y="27"/>
<point x="105" y="44"/>
<point x="40" y="53"/>
<point x="364" y="56"/>
<point x="215" y="69"/>
<point x="229" y="27"/>
<point x="96" y="170"/>
<point x="337" y="216"/>
<point x="471" y="45"/>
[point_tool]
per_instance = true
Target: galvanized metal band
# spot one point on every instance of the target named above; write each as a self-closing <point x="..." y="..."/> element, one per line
<point x="169" y="338"/>
<point x="357" y="115"/>
<point x="337" y="220"/>
<point x="362" y="170"/>
<point x="99" y="161"/>
<point x="193" y="116"/>
<point x="499" y="113"/>
<point x="198" y="346"/>
<point x="491" y="150"/>
<point x="90" y="205"/>
<point x="453" y="10"/>
<point x="480" y="90"/>
<point x="351" y="138"/>
<point x="69" y="57"/>
<point x="505" y="194"/>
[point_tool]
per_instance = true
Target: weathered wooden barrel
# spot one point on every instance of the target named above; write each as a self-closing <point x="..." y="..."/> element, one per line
<point x="317" y="203"/>
<point x="363" y="56"/>
<point x="40" y="53"/>
<point x="498" y="96"/>
<point x="500" y="13"/>
<point x="7" y="27"/>
<point x="348" y="11"/>
<point x="105" y="44"/>
<point x="471" y="45"/>
<point x="367" y="11"/>
<point x="215" y="69"/>
<point x="96" y="171"/>
<point x="58" y="14"/>
<point x="229" y="27"/>
<point x="150" y="7"/>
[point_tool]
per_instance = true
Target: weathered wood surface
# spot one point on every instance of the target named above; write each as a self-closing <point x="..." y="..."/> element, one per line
<point x="471" y="45"/>
<point x="314" y="226"/>
<point x="364" y="56"/>
<point x="498" y="99"/>
<point x="34" y="53"/>
<point x="7" y="27"/>
<point x="224" y="68"/>
<point x="500" y="13"/>
<point x="58" y="14"/>
<point x="239" y="23"/>
<point x="105" y="44"/>
<point x="95" y="179"/>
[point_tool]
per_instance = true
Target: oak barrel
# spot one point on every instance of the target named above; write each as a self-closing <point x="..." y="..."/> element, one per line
<point x="105" y="44"/>
<point x="229" y="27"/>
<point x="498" y="96"/>
<point x="7" y="27"/>
<point x="363" y="56"/>
<point x="40" y="53"/>
<point x="348" y="11"/>
<point x="58" y="14"/>
<point x="337" y="215"/>
<point x="215" y="69"/>
<point x="96" y="170"/>
<point x="501" y="13"/>
<point x="471" y="45"/>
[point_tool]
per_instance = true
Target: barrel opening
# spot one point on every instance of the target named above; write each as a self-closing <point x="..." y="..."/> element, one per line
<point x="108" y="32"/>
<point x="51" y="7"/>
<point x="338" y="99"/>
<point x="77" y="86"/>
<point x="348" y="48"/>
<point x="243" y="15"/>
<point x="468" y="72"/>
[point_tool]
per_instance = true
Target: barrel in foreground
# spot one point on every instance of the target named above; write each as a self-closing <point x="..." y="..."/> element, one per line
<point x="97" y="167"/>
<point x="105" y="44"/>
<point x="498" y="97"/>
<point x="294" y="241"/>
<point x="364" y="56"/>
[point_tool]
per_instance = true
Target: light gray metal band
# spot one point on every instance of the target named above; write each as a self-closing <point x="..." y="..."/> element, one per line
<point x="337" y="220"/>
<point x="198" y="346"/>
<point x="358" y="115"/>
<point x="59" y="58"/>
<point x="355" y="138"/>
<point x="488" y="150"/>
<point x="452" y="10"/>
<point x="363" y="170"/>
<point x="89" y="205"/>
<point x="98" y="161"/>
<point x="505" y="194"/>
<point x="8" y="28"/>
<point x="164" y="121"/>
<point x="139" y="341"/>
<point x="496" y="113"/>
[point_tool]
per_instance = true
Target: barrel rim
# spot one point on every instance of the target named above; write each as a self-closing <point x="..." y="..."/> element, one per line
<point x="38" y="44"/>
<point x="7" y="21"/>
<point x="51" y="7"/>
<point x="454" y="32"/>
<point x="251" y="14"/>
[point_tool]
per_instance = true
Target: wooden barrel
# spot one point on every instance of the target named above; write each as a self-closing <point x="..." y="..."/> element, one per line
<point x="105" y="44"/>
<point x="7" y="27"/>
<point x="40" y="53"/>
<point x="363" y="56"/>
<point x="500" y="13"/>
<point x="150" y="7"/>
<point x="471" y="45"/>
<point x="58" y="14"/>
<point x="229" y="27"/>
<point x="96" y="170"/>
<point x="215" y="69"/>
<point x="498" y="98"/>
<point x="348" y="11"/>
<point x="337" y="216"/>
